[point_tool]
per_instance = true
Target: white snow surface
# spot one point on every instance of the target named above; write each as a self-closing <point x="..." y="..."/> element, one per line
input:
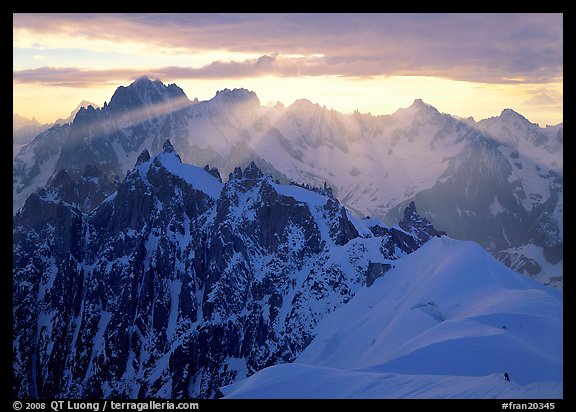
<point x="316" y="382"/>
<point x="446" y="322"/>
<point x="300" y="194"/>
<point x="195" y="176"/>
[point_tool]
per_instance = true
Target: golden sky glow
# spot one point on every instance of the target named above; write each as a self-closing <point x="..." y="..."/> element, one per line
<point x="465" y="65"/>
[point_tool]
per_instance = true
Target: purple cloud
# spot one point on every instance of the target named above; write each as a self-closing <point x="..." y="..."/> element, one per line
<point x="489" y="48"/>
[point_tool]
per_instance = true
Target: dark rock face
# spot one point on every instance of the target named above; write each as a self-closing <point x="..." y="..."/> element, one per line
<point x="176" y="284"/>
<point x="85" y="190"/>
<point x="413" y="222"/>
<point x="375" y="271"/>
<point x="143" y="92"/>
<point x="478" y="198"/>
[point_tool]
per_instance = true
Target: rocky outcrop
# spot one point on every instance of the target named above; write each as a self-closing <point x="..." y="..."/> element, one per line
<point x="177" y="284"/>
<point x="412" y="222"/>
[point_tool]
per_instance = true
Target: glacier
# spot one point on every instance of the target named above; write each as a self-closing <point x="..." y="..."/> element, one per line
<point x="446" y="322"/>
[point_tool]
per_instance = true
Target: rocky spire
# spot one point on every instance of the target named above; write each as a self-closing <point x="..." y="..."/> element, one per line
<point x="412" y="222"/>
<point x="143" y="157"/>
<point x="167" y="147"/>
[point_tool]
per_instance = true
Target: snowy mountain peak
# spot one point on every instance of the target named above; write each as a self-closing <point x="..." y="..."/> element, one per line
<point x="143" y="157"/>
<point x="304" y="108"/>
<point x="418" y="108"/>
<point x="146" y="81"/>
<point x="168" y="162"/>
<point x="304" y="104"/>
<point x="510" y="114"/>
<point x="144" y="92"/>
<point x="513" y="129"/>
<point x="168" y="152"/>
<point x="84" y="104"/>
<point x="84" y="115"/>
<point x="20" y="121"/>
<point x="419" y="103"/>
<point x="143" y="79"/>
<point x="252" y="172"/>
<point x="236" y="96"/>
<point x="167" y="147"/>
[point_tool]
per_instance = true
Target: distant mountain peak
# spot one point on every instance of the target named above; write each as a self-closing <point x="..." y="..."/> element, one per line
<point x="508" y="116"/>
<point x="303" y="102"/>
<point x="512" y="114"/>
<point x="20" y="121"/>
<point x="143" y="79"/>
<point x="84" y="104"/>
<point x="240" y="95"/>
<point x="150" y="81"/>
<point x="419" y="103"/>
<point x="143" y="92"/>
<point x="419" y="107"/>
<point x="304" y="105"/>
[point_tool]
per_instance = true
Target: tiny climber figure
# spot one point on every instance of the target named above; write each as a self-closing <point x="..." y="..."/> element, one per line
<point x="506" y="376"/>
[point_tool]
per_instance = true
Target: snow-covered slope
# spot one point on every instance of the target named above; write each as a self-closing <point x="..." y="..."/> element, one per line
<point x="303" y="381"/>
<point x="447" y="321"/>
<point x="542" y="145"/>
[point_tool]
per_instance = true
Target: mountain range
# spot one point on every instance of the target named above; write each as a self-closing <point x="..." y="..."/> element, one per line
<point x="178" y="284"/>
<point x="498" y="181"/>
<point x="25" y="130"/>
<point x="168" y="248"/>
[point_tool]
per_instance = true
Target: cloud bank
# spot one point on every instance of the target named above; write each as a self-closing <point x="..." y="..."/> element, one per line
<point x="484" y="48"/>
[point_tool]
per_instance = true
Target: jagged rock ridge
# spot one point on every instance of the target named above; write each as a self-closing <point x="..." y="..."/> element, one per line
<point x="178" y="284"/>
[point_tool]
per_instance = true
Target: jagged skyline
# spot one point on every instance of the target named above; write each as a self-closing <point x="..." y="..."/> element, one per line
<point x="374" y="163"/>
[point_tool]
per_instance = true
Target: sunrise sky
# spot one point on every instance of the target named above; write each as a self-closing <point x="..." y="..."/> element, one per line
<point x="463" y="64"/>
